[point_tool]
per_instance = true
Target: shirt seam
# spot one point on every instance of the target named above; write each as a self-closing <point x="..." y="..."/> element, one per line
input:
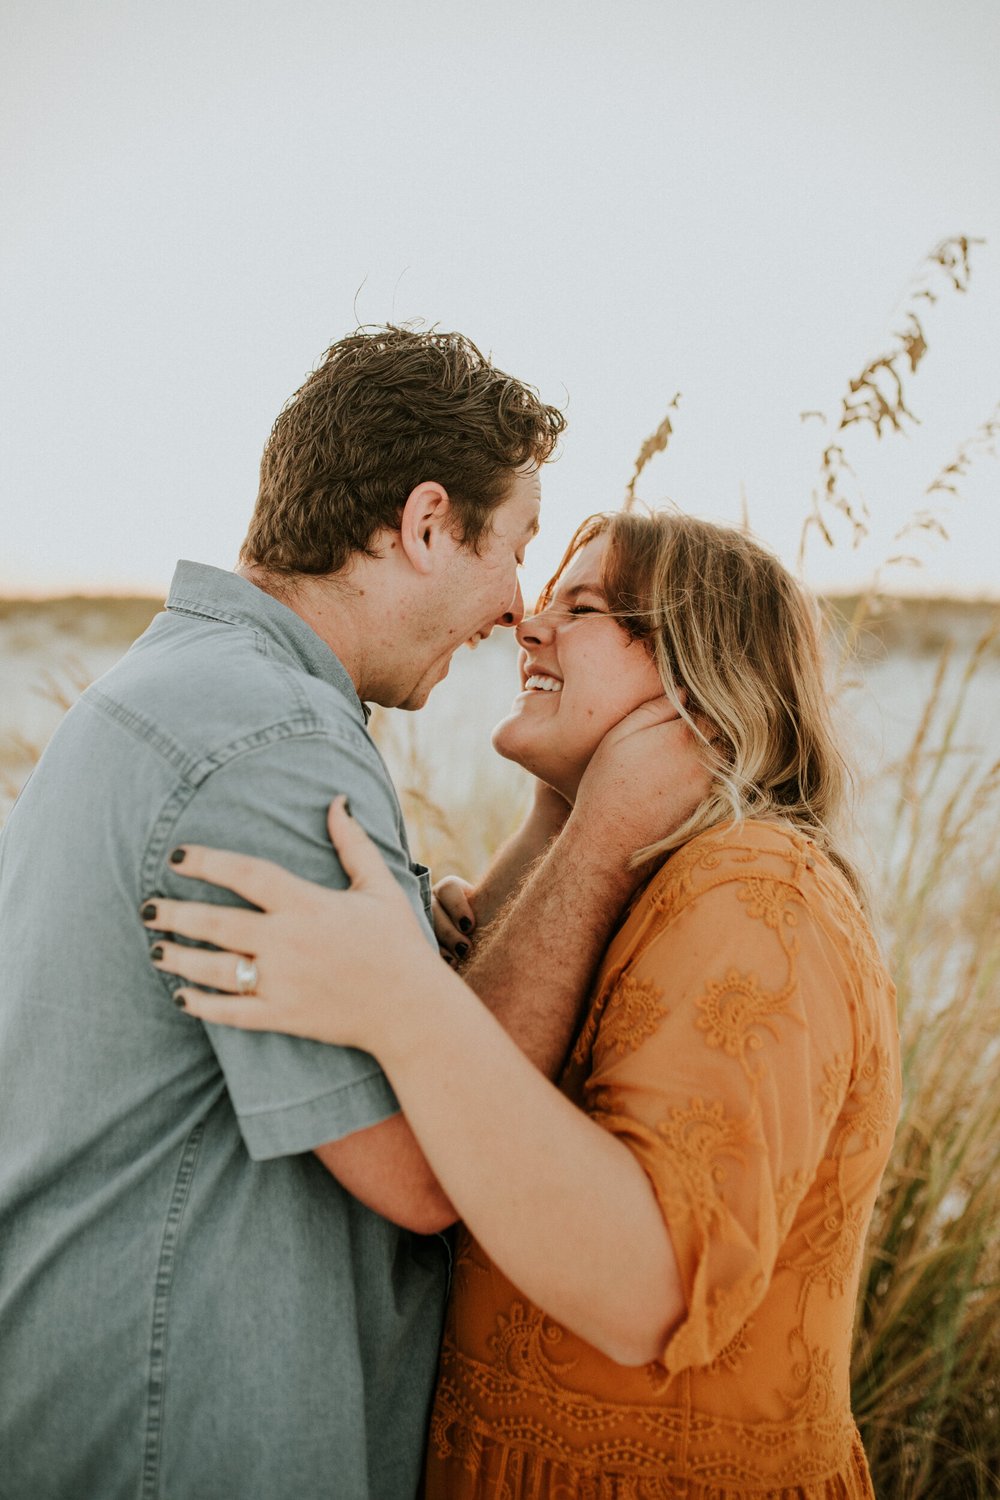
<point x="195" y="769"/>
<point x="180" y="604"/>
<point x="163" y="1287"/>
<point x="185" y="791"/>
<point x="265" y="643"/>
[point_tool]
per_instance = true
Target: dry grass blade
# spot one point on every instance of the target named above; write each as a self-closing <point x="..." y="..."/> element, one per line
<point x="876" y="397"/>
<point x="657" y="443"/>
<point x="983" y="440"/>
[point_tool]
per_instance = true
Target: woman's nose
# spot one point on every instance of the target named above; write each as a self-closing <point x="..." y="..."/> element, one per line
<point x="533" y="630"/>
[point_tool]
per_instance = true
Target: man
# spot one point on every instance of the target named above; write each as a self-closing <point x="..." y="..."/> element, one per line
<point x="219" y="1272"/>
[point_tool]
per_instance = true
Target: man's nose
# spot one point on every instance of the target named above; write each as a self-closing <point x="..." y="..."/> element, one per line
<point x="514" y="615"/>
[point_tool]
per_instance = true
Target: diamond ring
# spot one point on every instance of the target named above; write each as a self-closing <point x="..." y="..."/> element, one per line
<point x="246" y="976"/>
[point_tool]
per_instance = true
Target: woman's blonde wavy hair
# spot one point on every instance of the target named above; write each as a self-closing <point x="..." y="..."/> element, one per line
<point x="726" y="623"/>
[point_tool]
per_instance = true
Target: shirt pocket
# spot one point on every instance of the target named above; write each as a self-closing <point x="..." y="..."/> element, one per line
<point x="423" y="875"/>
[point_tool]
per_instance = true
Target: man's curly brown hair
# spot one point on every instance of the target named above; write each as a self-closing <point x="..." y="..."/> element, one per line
<point x="387" y="409"/>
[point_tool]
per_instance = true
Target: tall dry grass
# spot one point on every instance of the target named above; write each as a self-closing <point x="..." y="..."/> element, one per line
<point x="926" y="1369"/>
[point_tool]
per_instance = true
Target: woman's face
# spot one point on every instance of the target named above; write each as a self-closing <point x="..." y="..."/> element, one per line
<point x="581" y="673"/>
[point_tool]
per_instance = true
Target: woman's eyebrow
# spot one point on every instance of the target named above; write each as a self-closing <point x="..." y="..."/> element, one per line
<point x="583" y="588"/>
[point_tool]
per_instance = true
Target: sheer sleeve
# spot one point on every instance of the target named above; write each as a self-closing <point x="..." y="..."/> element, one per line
<point x="721" y="1058"/>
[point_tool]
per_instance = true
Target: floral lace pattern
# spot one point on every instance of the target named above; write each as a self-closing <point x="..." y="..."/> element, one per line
<point x="741" y="1042"/>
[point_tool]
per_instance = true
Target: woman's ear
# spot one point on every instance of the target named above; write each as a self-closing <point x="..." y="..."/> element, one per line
<point x="426" y="522"/>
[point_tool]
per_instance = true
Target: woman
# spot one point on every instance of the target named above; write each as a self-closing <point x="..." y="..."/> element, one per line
<point x="654" y="1292"/>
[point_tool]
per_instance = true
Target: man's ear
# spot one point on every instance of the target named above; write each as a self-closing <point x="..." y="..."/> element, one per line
<point x="425" y="524"/>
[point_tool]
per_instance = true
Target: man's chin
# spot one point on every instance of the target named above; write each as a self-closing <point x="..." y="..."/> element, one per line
<point x="416" y="700"/>
<point x="419" y="694"/>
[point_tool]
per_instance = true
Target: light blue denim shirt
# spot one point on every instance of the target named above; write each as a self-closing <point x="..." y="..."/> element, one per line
<point x="191" y="1307"/>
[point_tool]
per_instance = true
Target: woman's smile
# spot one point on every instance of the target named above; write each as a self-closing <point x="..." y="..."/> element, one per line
<point x="541" y="682"/>
<point x="584" y="666"/>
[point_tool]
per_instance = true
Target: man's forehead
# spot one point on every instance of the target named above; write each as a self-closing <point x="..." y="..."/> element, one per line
<point x="530" y="478"/>
<point x="525" y="498"/>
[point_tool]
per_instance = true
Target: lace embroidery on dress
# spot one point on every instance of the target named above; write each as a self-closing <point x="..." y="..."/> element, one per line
<point x="703" y="1147"/>
<point x="636" y="1442"/>
<point x="735" y="1009"/>
<point x="635" y="1015"/>
<point x="768" y="1210"/>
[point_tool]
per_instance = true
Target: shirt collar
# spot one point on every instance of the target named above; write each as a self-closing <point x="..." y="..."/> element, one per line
<point x="198" y="589"/>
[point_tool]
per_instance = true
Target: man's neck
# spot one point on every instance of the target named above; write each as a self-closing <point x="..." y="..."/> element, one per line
<point x="348" y="613"/>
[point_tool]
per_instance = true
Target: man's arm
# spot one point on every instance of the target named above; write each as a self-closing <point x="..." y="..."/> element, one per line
<point x="385" y="1169"/>
<point x="288" y="1095"/>
<point x="506" y="873"/>
<point x="533" y="964"/>
<point x="532" y="967"/>
<point x="384" y="1166"/>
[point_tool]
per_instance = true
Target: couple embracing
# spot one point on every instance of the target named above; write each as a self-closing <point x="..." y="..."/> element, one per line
<point x="242" y="1106"/>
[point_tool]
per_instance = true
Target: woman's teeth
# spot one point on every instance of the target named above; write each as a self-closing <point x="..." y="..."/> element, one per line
<point x="543" y="685"/>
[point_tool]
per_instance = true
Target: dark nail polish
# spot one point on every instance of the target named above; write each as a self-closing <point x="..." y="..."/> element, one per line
<point x="347" y="807"/>
<point x="465" y="924"/>
<point x="156" y="953"/>
<point x="461" y="949"/>
<point x="180" y="1002"/>
<point x="177" y="856"/>
<point x="148" y="911"/>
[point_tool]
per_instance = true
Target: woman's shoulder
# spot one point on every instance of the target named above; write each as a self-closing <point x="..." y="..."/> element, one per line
<point x="753" y="888"/>
<point x="734" y="849"/>
<point x="756" y="855"/>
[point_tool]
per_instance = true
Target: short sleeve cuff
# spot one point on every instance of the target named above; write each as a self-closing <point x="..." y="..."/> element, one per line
<point x="721" y="1273"/>
<point x="294" y="1128"/>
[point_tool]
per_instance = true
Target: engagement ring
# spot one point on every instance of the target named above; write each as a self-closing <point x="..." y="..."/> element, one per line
<point x="246" y="976"/>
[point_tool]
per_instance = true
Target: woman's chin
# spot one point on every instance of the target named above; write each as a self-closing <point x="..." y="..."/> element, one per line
<point x="513" y="740"/>
<point x="507" y="740"/>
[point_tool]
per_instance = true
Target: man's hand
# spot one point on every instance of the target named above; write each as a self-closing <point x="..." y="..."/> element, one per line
<point x="645" y="779"/>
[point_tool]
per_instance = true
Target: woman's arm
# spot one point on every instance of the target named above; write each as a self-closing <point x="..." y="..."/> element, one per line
<point x="543" y="1187"/>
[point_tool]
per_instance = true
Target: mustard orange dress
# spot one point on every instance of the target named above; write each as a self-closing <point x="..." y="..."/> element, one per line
<point x="742" y="1042"/>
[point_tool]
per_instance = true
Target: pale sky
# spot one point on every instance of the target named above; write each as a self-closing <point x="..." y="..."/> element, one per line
<point x="728" y="198"/>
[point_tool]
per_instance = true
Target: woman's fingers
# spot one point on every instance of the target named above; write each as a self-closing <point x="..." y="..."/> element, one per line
<point x="445" y="931"/>
<point x="200" y="966"/>
<point x="362" y="862"/>
<point x="223" y="926"/>
<point x="259" y="881"/>
<point x="454" y="918"/>
<point x="454" y="896"/>
<point x="248" y="1015"/>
